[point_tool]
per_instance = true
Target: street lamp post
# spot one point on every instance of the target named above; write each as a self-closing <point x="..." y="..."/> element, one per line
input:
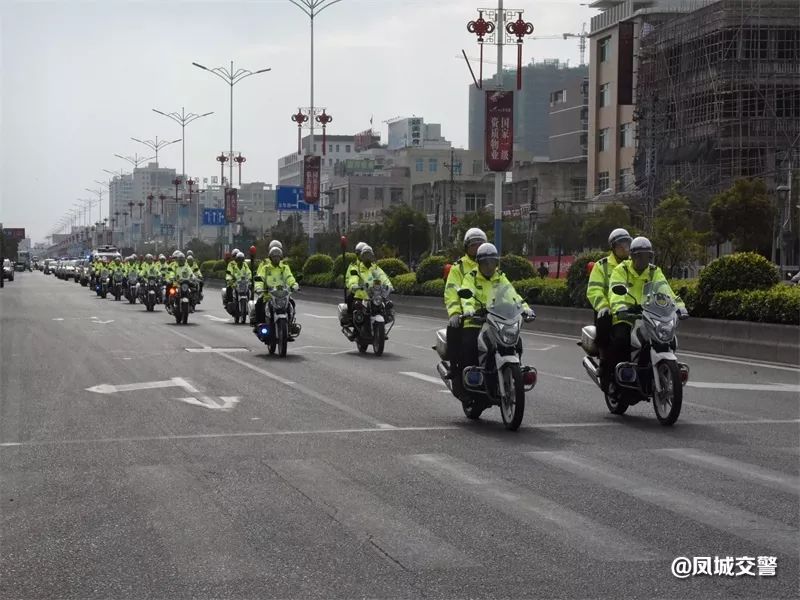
<point x="183" y="120"/>
<point x="155" y="146"/>
<point x="134" y="160"/>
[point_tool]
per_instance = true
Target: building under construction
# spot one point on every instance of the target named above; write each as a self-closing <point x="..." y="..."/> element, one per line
<point x="718" y="97"/>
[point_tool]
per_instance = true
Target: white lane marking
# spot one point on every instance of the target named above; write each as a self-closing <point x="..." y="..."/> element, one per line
<point x="228" y="402"/>
<point x="752" y="387"/>
<point x="99" y="322"/>
<point x="107" y="388"/>
<point x="734" y="521"/>
<point x="203" y="436"/>
<point x="423" y="377"/>
<point x="320" y="316"/>
<point x="519" y="503"/>
<point x="202" y="350"/>
<point x="755" y="473"/>
<point x="191" y="339"/>
<point x="58" y="319"/>
<point x="218" y="319"/>
<point x="400" y="539"/>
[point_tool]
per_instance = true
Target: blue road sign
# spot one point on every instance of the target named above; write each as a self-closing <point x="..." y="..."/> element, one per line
<point x="291" y="198"/>
<point x="214" y="216"/>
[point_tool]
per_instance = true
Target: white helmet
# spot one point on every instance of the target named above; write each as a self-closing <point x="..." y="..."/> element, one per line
<point x="641" y="253"/>
<point x="360" y="247"/>
<point x="617" y="236"/>
<point x="162" y="257"/>
<point x="176" y="253"/>
<point x="367" y="250"/>
<point x="235" y="252"/>
<point x="275" y="251"/>
<point x="488" y="259"/>
<point x="474" y="235"/>
<point x="275" y="244"/>
<point x="239" y="255"/>
<point x="189" y="253"/>
<point x="179" y="255"/>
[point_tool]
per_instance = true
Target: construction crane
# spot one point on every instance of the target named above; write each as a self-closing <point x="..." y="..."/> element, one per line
<point x="581" y="42"/>
<point x="564" y="36"/>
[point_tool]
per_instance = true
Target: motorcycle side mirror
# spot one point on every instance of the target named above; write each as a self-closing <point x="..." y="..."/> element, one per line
<point x="619" y="289"/>
<point x="464" y="294"/>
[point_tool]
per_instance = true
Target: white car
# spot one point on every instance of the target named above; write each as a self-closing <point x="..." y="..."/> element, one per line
<point x="8" y="269"/>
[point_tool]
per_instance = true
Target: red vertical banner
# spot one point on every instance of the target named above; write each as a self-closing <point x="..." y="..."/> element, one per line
<point x="499" y="130"/>
<point x="311" y="178"/>
<point x="231" y="205"/>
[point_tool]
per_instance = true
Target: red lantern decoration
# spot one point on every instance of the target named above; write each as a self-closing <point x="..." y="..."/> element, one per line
<point x="323" y="120"/>
<point x="481" y="28"/>
<point x="299" y="118"/>
<point x="252" y="250"/>
<point x="343" y="242"/>
<point x="520" y="29"/>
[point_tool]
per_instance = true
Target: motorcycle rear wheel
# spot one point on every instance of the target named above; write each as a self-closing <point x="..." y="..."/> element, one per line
<point x="378" y="338"/>
<point x="616" y="405"/>
<point x="667" y="404"/>
<point x="472" y="409"/>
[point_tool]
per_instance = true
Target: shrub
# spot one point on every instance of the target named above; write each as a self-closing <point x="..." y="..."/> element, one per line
<point x="338" y="268"/>
<point x="218" y="274"/>
<point x="405" y="284"/>
<point x="393" y="266"/>
<point x="318" y="263"/>
<point x="431" y="268"/>
<point x="221" y="265"/>
<point x="780" y="304"/>
<point x="318" y="280"/>
<point x="433" y="287"/>
<point x="740" y="271"/>
<point x="207" y="267"/>
<point x="295" y="264"/>
<point x="551" y="292"/>
<point x="578" y="278"/>
<point x="516" y="267"/>
<point x="687" y="289"/>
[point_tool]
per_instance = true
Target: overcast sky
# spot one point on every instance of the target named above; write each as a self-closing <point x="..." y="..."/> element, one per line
<point x="80" y="78"/>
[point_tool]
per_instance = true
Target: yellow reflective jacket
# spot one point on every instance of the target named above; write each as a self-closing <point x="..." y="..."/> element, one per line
<point x="483" y="290"/>
<point x="599" y="282"/>
<point x="635" y="282"/>
<point x="233" y="273"/>
<point x="180" y="273"/>
<point x="272" y="276"/>
<point x="458" y="271"/>
<point x="358" y="278"/>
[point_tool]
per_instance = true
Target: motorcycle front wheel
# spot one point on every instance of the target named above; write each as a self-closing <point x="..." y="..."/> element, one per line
<point x="512" y="404"/>
<point x="184" y="312"/>
<point x="283" y="337"/>
<point x="378" y="338"/>
<point x="667" y="403"/>
<point x="616" y="405"/>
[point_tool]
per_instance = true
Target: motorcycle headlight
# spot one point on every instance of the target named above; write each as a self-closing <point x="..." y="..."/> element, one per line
<point x="665" y="330"/>
<point x="508" y="333"/>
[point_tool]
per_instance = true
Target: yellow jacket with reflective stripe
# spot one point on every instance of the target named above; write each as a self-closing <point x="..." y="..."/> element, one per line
<point x="365" y="275"/>
<point x="460" y="269"/>
<point x="481" y="290"/>
<point x="234" y="272"/>
<point x="635" y="282"/>
<point x="272" y="276"/>
<point x="599" y="282"/>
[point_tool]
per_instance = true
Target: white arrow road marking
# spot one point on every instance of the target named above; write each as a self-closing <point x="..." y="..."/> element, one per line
<point x="107" y="388"/>
<point x="96" y="320"/>
<point x="228" y="402"/>
<point x="422" y="377"/>
<point x="213" y="318"/>
<point x="750" y="387"/>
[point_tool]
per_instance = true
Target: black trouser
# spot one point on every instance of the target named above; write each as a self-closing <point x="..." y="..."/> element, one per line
<point x="229" y="294"/>
<point x="603" y="326"/>
<point x="620" y="346"/>
<point x="454" y="348"/>
<point x="469" y="346"/>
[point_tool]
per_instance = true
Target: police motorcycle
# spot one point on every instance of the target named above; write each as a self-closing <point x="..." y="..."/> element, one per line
<point x="103" y="281"/>
<point x="131" y="286"/>
<point x="653" y="373"/>
<point x="238" y="308"/>
<point x="150" y="290"/>
<point x="499" y="378"/>
<point x="279" y="329"/>
<point x="117" y="283"/>
<point x="181" y="299"/>
<point x="370" y="317"/>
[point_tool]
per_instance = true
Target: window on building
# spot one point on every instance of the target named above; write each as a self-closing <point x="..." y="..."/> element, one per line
<point x="420" y="165"/>
<point x="602" y="181"/>
<point x="474" y="202"/>
<point x="330" y="162"/>
<point x="330" y="147"/>
<point x="379" y="194"/>
<point x="363" y="193"/>
<point x="396" y="195"/>
<point x="604" y="98"/>
<point x="477" y="167"/>
<point x="433" y="165"/>
<point x="604" y="49"/>
<point x="625" y="180"/>
<point x="337" y="147"/>
<point x="558" y="97"/>
<point x="457" y="168"/>
<point x="347" y="148"/>
<point x="625" y="135"/>
<point x="602" y="140"/>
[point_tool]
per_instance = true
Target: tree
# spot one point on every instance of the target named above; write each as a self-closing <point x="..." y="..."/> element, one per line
<point x="202" y="251"/>
<point x="407" y="230"/>
<point x="562" y="230"/>
<point x="674" y="240"/>
<point x="744" y="215"/>
<point x="597" y="226"/>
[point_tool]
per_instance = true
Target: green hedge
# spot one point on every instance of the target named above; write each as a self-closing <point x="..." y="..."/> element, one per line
<point x="578" y="278"/>
<point x="516" y="267"/>
<point x="405" y="284"/>
<point x="740" y="271"/>
<point x="688" y="290"/>
<point x="318" y="280"/>
<point x="551" y="292"/>
<point x="393" y="266"/>
<point x="338" y="267"/>
<point x="780" y="304"/>
<point x="318" y="263"/>
<point x="434" y="287"/>
<point x="431" y="268"/>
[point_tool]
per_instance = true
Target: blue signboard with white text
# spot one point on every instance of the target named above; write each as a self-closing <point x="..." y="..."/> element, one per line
<point x="214" y="217"/>
<point x="291" y="198"/>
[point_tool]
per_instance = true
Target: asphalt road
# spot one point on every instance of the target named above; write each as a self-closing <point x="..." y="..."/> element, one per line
<point x="330" y="474"/>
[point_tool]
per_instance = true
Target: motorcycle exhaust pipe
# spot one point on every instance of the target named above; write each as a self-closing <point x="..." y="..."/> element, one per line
<point x="591" y="369"/>
<point x="441" y="369"/>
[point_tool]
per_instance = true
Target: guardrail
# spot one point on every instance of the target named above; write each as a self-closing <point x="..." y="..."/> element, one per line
<point x="736" y="339"/>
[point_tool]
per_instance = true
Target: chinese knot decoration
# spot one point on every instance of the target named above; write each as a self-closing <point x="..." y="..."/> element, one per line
<point x="299" y="118"/>
<point x="239" y="160"/>
<point x="519" y="28"/>
<point x="481" y="28"/>
<point x="150" y="198"/>
<point x="222" y="159"/>
<point x="323" y="120"/>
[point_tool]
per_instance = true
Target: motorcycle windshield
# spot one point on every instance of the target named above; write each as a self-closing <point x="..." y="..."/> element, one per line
<point x="658" y="299"/>
<point x="504" y="302"/>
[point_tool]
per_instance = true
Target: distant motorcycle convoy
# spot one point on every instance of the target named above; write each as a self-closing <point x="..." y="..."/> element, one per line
<point x="630" y="348"/>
